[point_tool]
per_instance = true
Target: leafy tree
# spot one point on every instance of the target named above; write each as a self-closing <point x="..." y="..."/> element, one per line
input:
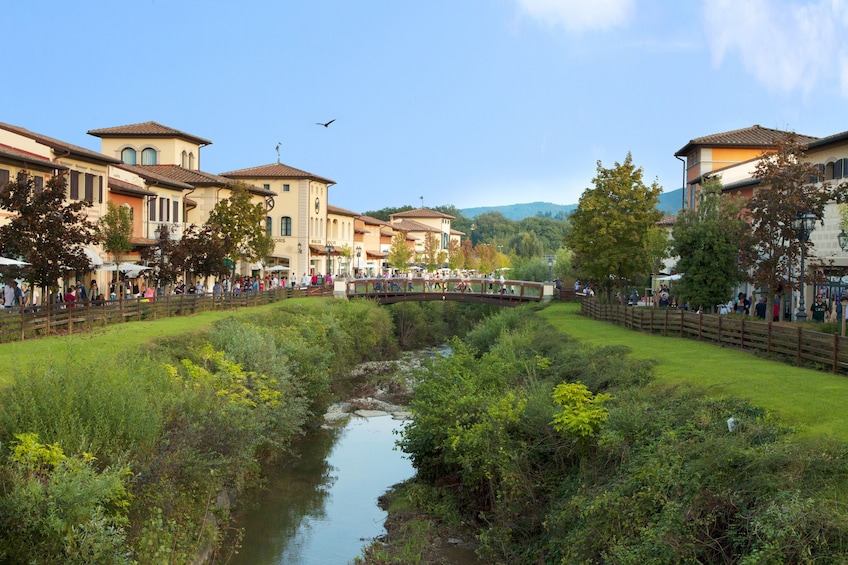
<point x="707" y="241"/>
<point x="241" y="224"/>
<point x="550" y="232"/>
<point x="202" y="251"/>
<point x="385" y="213"/>
<point x="525" y="244"/>
<point x="45" y="230"/>
<point x="610" y="227"/>
<point x="116" y="232"/>
<point x="486" y="256"/>
<point x="771" y="246"/>
<point x="168" y="264"/>
<point x="490" y="227"/>
<point x="455" y="256"/>
<point x="400" y="254"/>
<point x="431" y="252"/>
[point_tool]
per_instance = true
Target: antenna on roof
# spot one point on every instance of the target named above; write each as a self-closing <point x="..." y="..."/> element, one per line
<point x="278" y="151"/>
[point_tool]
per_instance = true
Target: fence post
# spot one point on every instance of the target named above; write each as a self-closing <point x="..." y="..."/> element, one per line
<point x="742" y="337"/>
<point x="836" y="353"/>
<point x="719" y="330"/>
<point x="700" y="325"/>
<point x="768" y="347"/>
<point x="22" y="322"/>
<point x="798" y="352"/>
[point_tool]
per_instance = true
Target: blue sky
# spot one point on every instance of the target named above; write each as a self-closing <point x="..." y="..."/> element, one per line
<point x="463" y="102"/>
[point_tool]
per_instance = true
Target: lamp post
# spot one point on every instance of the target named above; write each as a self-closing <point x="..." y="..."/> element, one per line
<point x="330" y="249"/>
<point x="358" y="261"/>
<point x="803" y="224"/>
<point x="550" y="267"/>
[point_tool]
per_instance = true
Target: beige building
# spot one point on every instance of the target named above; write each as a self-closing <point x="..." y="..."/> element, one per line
<point x="297" y="216"/>
<point x="340" y="235"/>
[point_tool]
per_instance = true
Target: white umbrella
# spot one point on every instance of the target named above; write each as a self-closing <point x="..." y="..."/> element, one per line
<point x="676" y="277"/>
<point x="123" y="267"/>
<point x="277" y="268"/>
<point x="12" y="262"/>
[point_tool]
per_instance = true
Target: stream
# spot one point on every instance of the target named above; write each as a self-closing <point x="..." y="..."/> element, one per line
<point x="321" y="507"/>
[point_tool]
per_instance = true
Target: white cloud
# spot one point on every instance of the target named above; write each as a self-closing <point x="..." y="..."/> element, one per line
<point x="786" y="45"/>
<point x="580" y="15"/>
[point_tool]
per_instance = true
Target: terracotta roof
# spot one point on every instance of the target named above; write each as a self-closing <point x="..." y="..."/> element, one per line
<point x="152" y="175"/>
<point x="456" y="232"/>
<point x="142" y="241"/>
<point x="754" y="136"/>
<point x="667" y="221"/>
<point x="60" y="146"/>
<point x="189" y="203"/>
<point x="421" y="213"/>
<point x="831" y="139"/>
<point x="193" y="177"/>
<point x="340" y="211"/>
<point x="322" y="250"/>
<point x="147" y="129"/>
<point x="412" y="225"/>
<point x="275" y="171"/>
<point x="373" y="221"/>
<point x="388" y="232"/>
<point x="28" y="158"/>
<point x="123" y="187"/>
<point x="375" y="254"/>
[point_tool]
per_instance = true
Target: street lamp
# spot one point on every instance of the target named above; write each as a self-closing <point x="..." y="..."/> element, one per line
<point x="843" y="240"/>
<point x="358" y="255"/>
<point x="330" y="249"/>
<point x="803" y="224"/>
<point x="299" y="248"/>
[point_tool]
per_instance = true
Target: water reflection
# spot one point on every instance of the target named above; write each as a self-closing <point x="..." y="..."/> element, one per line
<point x="322" y="507"/>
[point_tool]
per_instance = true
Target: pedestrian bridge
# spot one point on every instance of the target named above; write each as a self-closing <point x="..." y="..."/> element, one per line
<point x="480" y="291"/>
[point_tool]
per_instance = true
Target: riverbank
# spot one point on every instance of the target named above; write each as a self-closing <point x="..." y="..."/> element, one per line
<point x="537" y="445"/>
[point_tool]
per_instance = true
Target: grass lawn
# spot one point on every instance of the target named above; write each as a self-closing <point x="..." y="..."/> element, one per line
<point x="816" y="402"/>
<point x="102" y="344"/>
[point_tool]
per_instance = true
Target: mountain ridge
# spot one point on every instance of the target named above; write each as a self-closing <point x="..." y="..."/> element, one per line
<point x="669" y="204"/>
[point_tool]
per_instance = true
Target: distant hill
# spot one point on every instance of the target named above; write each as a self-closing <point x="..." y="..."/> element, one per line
<point x="669" y="203"/>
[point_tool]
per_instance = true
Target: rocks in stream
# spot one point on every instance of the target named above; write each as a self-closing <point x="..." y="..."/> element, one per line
<point x="364" y="408"/>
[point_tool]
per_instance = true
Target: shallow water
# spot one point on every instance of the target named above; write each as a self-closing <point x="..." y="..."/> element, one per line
<point x="322" y="507"/>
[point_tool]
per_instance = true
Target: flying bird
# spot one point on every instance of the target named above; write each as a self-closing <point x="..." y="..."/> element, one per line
<point x="325" y="125"/>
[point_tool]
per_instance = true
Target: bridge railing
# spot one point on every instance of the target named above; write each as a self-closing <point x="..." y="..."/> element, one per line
<point x="394" y="286"/>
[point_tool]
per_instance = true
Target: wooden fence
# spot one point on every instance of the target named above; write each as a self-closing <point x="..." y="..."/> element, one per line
<point x="786" y="339"/>
<point x="22" y="322"/>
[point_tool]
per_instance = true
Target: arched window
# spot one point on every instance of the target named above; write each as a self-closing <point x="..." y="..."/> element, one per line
<point x="129" y="209"/>
<point x="184" y="160"/>
<point x="269" y="225"/>
<point x="128" y="156"/>
<point x="148" y="156"/>
<point x="191" y="161"/>
<point x="285" y="226"/>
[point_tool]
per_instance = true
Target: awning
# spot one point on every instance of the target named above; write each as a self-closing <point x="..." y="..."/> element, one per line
<point x="94" y="258"/>
<point x="321" y="250"/>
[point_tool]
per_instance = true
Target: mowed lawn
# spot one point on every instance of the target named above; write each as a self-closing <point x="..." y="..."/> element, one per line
<point x="816" y="402"/>
<point x="102" y="345"/>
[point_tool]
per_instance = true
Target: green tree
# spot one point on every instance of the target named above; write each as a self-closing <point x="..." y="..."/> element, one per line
<point x="385" y="213"/>
<point x="168" y="264"/>
<point x="455" y="256"/>
<point x="431" y="252"/>
<point x="400" y="254"/>
<point x="610" y="227"/>
<point x="116" y="228"/>
<point x="241" y="224"/>
<point x="788" y="187"/>
<point x="525" y="244"/>
<point x="45" y="230"/>
<point x="201" y="251"/>
<point x="706" y="241"/>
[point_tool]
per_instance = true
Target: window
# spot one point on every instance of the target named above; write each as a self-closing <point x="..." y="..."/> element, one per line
<point x="148" y="156"/>
<point x="151" y="209"/>
<point x="100" y="189"/>
<point x="128" y="156"/>
<point x="184" y="160"/>
<point x="176" y="211"/>
<point x="4" y="177"/>
<point x="164" y="210"/>
<point x="837" y="169"/>
<point x="266" y="186"/>
<point x="286" y="188"/>
<point x="269" y="225"/>
<point x="74" y="185"/>
<point x="191" y="161"/>
<point x="89" y="188"/>
<point x="285" y="226"/>
<point x="39" y="184"/>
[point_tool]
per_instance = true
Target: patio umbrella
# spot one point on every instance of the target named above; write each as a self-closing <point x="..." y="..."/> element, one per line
<point x="12" y="262"/>
<point x="278" y="268"/>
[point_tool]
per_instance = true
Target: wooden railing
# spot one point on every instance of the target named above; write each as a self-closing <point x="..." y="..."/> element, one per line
<point x="387" y="291"/>
<point x="787" y="339"/>
<point x="22" y="322"/>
